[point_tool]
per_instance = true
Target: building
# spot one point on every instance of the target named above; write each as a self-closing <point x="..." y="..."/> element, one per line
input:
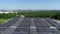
<point x="6" y="12"/>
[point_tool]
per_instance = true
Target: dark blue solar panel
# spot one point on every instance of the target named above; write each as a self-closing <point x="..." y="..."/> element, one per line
<point x="2" y="29"/>
<point x="24" y="26"/>
<point x="55" y="24"/>
<point x="22" y="29"/>
<point x="45" y="33"/>
<point x="20" y="33"/>
<point x="9" y="23"/>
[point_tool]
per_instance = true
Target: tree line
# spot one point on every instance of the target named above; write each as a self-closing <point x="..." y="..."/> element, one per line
<point x="34" y="14"/>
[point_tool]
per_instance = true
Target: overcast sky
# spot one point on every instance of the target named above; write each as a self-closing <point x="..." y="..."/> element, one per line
<point x="30" y="4"/>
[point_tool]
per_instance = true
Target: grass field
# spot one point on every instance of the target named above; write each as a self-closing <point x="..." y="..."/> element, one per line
<point x="2" y="21"/>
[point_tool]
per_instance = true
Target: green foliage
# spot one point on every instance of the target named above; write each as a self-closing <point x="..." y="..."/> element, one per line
<point x="7" y="16"/>
<point x="34" y="14"/>
<point x="2" y="21"/>
<point x="42" y="14"/>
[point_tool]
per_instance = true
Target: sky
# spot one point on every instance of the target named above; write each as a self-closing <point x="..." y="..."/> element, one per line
<point x="30" y="4"/>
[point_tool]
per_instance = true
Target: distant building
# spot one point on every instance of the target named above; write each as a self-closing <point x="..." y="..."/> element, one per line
<point x="22" y="16"/>
<point x="5" y="12"/>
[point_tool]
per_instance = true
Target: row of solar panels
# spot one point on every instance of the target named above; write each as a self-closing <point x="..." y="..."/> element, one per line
<point x="54" y="23"/>
<point x="8" y="24"/>
<point x="42" y="27"/>
<point x="23" y="27"/>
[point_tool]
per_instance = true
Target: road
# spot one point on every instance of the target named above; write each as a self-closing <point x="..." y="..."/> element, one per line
<point x="30" y="26"/>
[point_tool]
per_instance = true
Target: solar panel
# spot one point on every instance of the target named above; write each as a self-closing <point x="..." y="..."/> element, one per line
<point x="20" y="33"/>
<point x="55" y="24"/>
<point x="22" y="29"/>
<point x="45" y="33"/>
<point x="2" y="29"/>
<point x="27" y="27"/>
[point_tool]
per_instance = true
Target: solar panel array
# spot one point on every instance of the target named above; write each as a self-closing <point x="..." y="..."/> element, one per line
<point x="23" y="27"/>
<point x="41" y="26"/>
<point x="54" y="23"/>
<point x="8" y="24"/>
